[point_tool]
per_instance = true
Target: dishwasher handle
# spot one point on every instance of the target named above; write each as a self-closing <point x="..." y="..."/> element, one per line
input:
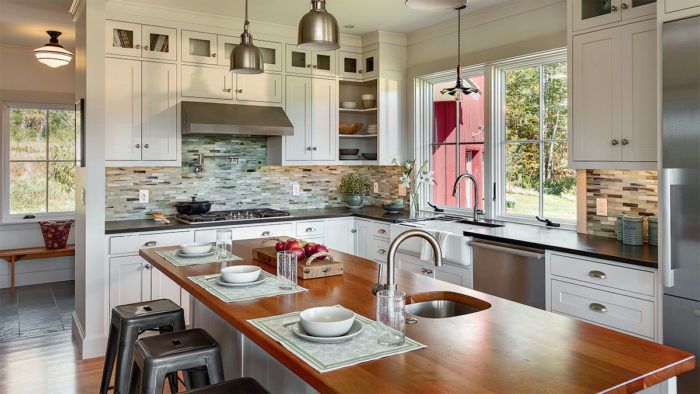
<point x="529" y="253"/>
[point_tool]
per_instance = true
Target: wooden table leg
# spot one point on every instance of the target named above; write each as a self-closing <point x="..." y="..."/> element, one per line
<point x="12" y="269"/>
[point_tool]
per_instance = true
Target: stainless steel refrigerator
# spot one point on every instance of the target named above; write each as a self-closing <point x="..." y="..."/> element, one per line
<point x="680" y="191"/>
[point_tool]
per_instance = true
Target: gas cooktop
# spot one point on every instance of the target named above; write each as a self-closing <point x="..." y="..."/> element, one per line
<point x="232" y="216"/>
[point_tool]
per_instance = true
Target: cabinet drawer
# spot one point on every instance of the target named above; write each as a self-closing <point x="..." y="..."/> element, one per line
<point x="248" y="232"/>
<point x="121" y="244"/>
<point x="614" y="276"/>
<point x="379" y="230"/>
<point x="611" y="310"/>
<point x="377" y="249"/>
<point x="310" y="229"/>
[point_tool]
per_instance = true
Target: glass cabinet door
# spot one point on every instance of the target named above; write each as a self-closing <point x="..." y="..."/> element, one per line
<point x="324" y="63"/>
<point x="199" y="47"/>
<point x="123" y="38"/>
<point x="159" y="42"/>
<point x="271" y="52"/>
<point x="592" y="13"/>
<point x="637" y="8"/>
<point x="298" y="60"/>
<point x="350" y="65"/>
<point x="371" y="64"/>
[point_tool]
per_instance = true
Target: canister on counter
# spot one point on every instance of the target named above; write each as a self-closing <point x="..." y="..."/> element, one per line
<point x="653" y="231"/>
<point x="633" y="230"/>
<point x="619" y="228"/>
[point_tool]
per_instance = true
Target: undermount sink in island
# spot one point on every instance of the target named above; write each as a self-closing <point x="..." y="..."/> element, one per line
<point x="477" y="343"/>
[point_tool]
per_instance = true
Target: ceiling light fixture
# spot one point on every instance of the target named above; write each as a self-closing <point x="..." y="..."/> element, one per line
<point x="460" y="89"/>
<point x="246" y="58"/>
<point x="435" y="5"/>
<point x="318" y="29"/>
<point x="52" y="53"/>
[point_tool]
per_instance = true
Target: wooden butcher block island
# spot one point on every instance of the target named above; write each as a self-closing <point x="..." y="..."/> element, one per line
<point x="507" y="348"/>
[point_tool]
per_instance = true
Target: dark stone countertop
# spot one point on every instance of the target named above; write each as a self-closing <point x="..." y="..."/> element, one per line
<point x="567" y="241"/>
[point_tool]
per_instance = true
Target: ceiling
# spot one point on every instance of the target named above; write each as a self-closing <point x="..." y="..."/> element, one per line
<point x="365" y="15"/>
<point x="24" y="22"/>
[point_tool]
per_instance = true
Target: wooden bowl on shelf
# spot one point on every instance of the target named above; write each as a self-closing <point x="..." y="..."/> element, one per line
<point x="350" y="128"/>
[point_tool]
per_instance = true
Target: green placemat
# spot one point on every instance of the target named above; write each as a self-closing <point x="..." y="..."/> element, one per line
<point x="172" y="256"/>
<point x="232" y="294"/>
<point x="329" y="357"/>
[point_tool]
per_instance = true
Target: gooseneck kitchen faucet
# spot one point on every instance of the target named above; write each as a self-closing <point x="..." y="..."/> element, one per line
<point x="391" y="259"/>
<point x="476" y="192"/>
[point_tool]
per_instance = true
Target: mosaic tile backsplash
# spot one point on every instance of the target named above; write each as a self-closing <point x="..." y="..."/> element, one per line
<point x="630" y="192"/>
<point x="248" y="183"/>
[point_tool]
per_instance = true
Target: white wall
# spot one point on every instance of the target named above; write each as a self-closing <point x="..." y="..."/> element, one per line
<point x="24" y="79"/>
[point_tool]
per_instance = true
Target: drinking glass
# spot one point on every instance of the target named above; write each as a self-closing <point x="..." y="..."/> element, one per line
<point x="391" y="320"/>
<point x="224" y="243"/>
<point x="286" y="270"/>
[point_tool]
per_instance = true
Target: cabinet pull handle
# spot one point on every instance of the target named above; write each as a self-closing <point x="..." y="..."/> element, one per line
<point x="310" y="229"/>
<point x="354" y="231"/>
<point x="266" y="233"/>
<point x="137" y="46"/>
<point x="147" y="266"/>
<point x="625" y="141"/>
<point x="151" y="243"/>
<point x="146" y="146"/>
<point x="596" y="307"/>
<point x="625" y="6"/>
<point x="138" y="146"/>
<point x="381" y="251"/>
<point x="597" y="274"/>
<point x="613" y="8"/>
<point x="381" y="231"/>
<point x="615" y="142"/>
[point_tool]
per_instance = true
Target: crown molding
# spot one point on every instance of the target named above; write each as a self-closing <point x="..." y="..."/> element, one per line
<point x="76" y="9"/>
<point x="470" y="20"/>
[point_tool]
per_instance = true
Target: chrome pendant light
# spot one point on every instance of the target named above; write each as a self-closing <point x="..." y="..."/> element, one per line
<point x="318" y="29"/>
<point x="460" y="89"/>
<point x="246" y="58"/>
<point x="435" y="5"/>
<point x="52" y="53"/>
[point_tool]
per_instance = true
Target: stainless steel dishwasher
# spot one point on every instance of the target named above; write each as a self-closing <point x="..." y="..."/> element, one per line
<point x="509" y="271"/>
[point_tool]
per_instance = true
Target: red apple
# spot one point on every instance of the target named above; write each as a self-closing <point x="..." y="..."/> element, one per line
<point x="309" y="248"/>
<point x="292" y="243"/>
<point x="299" y="252"/>
<point x="320" y="249"/>
<point x="279" y="246"/>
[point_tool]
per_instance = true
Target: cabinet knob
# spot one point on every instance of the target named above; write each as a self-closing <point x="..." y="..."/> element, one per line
<point x="138" y="146"/>
<point x="625" y="6"/>
<point x="615" y="142"/>
<point x="430" y="272"/>
<point x="310" y="229"/>
<point x="308" y="66"/>
<point x="146" y="146"/>
<point x="625" y="141"/>
<point x="308" y="148"/>
<point x="213" y="55"/>
<point x="381" y="231"/>
<point x="613" y="8"/>
<point x="227" y="90"/>
<point x="315" y="66"/>
<point x="145" y="47"/>
<point x="360" y="71"/>
<point x="424" y="270"/>
<point x="239" y="90"/>
<point x="354" y="231"/>
<point x="266" y="233"/>
<point x="147" y="266"/>
<point x="137" y="46"/>
<point x="596" y="307"/>
<point x="381" y="251"/>
<point x="597" y="274"/>
<point x="314" y="148"/>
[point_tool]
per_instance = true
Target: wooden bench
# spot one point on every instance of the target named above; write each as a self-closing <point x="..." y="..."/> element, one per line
<point x="15" y="255"/>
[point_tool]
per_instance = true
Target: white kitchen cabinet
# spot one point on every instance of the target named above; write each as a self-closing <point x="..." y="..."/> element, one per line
<point x="614" y="97"/>
<point x="341" y="235"/>
<point x="370" y="62"/>
<point x="311" y="105"/>
<point x="159" y="42"/>
<point x="159" y="135"/>
<point x="129" y="280"/>
<point x="460" y="276"/>
<point x="122" y="109"/>
<point x="198" y="47"/>
<point x="350" y="65"/>
<point x="207" y="82"/>
<point x="304" y="62"/>
<point x="271" y="52"/>
<point x="681" y="5"/>
<point x="594" y="13"/>
<point x="310" y="229"/>
<point x="133" y="39"/>
<point x="266" y="88"/>
<point x="164" y="287"/>
<point x="361" y="237"/>
<point x="286" y="229"/>
<point x="324" y="64"/>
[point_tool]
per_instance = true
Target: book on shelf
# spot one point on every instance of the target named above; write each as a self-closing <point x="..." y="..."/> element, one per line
<point x="124" y="35"/>
<point x="116" y="40"/>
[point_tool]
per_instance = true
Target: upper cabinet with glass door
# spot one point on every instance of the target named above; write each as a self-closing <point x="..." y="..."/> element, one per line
<point x="199" y="47"/>
<point x="358" y="66"/>
<point x="593" y="13"/>
<point x="133" y="39"/>
<point x="304" y="62"/>
<point x="271" y="52"/>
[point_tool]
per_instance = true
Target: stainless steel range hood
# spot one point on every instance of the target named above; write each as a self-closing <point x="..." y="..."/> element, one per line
<point x="235" y="119"/>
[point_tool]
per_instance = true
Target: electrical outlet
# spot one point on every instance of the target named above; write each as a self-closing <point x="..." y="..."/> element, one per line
<point x="376" y="187"/>
<point x="601" y="206"/>
<point x="143" y="196"/>
<point x="295" y="189"/>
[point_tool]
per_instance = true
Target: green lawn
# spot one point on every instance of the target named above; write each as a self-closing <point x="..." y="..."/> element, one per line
<point x="554" y="206"/>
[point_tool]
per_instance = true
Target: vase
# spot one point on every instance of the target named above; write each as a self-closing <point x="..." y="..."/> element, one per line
<point x="354" y="200"/>
<point x="413" y="202"/>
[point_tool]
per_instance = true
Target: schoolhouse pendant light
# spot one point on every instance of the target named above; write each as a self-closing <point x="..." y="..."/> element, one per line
<point x="318" y="29"/>
<point x="435" y="5"/>
<point x="52" y="53"/>
<point x="460" y="89"/>
<point x="246" y="58"/>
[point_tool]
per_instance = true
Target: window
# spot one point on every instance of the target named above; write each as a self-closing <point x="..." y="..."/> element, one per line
<point x="39" y="147"/>
<point x="534" y="178"/>
<point x="456" y="150"/>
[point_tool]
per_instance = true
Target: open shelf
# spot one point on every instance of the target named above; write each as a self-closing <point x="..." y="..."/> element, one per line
<point x="358" y="136"/>
<point x="358" y="110"/>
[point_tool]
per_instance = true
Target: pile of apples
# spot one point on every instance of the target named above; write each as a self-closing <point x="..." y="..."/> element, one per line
<point x="302" y="249"/>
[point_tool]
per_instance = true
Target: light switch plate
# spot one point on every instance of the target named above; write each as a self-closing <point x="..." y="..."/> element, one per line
<point x="376" y="187"/>
<point x="143" y="196"/>
<point x="601" y="206"/>
<point x="295" y="189"/>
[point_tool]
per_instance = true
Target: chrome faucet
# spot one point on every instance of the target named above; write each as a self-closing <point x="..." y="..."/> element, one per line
<point x="391" y="259"/>
<point x="476" y="191"/>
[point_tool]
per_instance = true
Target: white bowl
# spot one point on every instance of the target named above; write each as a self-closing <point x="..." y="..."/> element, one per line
<point x="349" y="104"/>
<point x="196" y="248"/>
<point x="327" y="321"/>
<point x="368" y="97"/>
<point x="240" y="274"/>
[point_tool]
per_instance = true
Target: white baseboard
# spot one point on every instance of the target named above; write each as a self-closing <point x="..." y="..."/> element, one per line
<point x="89" y="347"/>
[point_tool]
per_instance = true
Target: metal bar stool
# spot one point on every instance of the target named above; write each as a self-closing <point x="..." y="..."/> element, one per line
<point x="190" y="351"/>
<point x="127" y="323"/>
<point x="236" y="386"/>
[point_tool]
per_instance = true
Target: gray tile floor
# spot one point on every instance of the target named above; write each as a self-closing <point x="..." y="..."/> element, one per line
<point x="36" y="310"/>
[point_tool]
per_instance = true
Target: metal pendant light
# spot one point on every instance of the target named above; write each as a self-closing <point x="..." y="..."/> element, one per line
<point x="246" y="58"/>
<point x="460" y="89"/>
<point x="435" y="5"/>
<point x="318" y="29"/>
<point x="52" y="53"/>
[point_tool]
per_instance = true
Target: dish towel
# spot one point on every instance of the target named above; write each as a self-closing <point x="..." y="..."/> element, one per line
<point x="426" y="251"/>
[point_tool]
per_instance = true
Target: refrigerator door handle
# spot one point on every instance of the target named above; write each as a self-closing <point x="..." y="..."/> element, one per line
<point x="667" y="263"/>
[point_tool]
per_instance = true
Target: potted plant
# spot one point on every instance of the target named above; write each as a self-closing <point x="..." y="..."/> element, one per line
<point x="355" y="187"/>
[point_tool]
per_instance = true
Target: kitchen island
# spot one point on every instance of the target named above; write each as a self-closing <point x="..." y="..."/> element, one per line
<point x="506" y="348"/>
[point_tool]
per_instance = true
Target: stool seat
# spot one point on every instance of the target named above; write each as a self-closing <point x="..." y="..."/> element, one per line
<point x="236" y="386"/>
<point x="126" y="324"/>
<point x="192" y="351"/>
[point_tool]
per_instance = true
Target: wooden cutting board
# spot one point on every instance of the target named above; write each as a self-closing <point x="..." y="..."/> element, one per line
<point x="317" y="269"/>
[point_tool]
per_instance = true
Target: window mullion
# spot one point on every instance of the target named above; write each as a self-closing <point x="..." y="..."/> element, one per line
<point x="541" y="143"/>
<point x="46" y="202"/>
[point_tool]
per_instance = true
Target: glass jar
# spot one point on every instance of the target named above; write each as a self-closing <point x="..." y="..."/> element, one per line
<point x="391" y="319"/>
<point x="286" y="270"/>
